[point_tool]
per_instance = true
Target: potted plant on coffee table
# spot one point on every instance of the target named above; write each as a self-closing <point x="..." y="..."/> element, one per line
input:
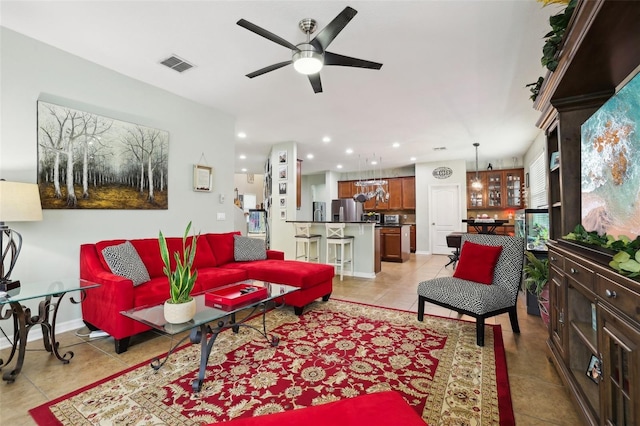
<point x="536" y="278"/>
<point x="180" y="307"/>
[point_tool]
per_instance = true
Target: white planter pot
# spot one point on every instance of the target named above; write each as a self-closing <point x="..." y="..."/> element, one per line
<point x="179" y="313"/>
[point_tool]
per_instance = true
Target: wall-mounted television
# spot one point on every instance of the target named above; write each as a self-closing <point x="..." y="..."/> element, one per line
<point x="610" y="154"/>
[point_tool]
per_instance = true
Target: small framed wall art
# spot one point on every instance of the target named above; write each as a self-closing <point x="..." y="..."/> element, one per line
<point x="202" y="178"/>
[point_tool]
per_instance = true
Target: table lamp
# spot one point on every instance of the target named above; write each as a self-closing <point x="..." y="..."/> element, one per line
<point x="19" y="202"/>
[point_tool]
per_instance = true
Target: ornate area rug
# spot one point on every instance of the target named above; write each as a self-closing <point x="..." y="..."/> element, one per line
<point x="336" y="350"/>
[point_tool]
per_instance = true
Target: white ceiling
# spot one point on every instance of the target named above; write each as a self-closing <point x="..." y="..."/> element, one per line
<point x="454" y="71"/>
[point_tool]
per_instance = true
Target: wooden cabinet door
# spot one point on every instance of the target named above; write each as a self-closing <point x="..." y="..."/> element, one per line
<point x="409" y="192"/>
<point x="513" y="188"/>
<point x="557" y="304"/>
<point x="620" y="347"/>
<point x="495" y="189"/>
<point x="392" y="245"/>
<point x="346" y="189"/>
<point x="395" y="194"/>
<point x="476" y="199"/>
<point x="412" y="240"/>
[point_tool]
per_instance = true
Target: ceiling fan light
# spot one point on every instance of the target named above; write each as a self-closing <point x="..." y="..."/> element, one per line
<point x="307" y="62"/>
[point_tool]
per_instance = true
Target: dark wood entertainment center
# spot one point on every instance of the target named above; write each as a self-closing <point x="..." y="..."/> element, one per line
<point x="595" y="313"/>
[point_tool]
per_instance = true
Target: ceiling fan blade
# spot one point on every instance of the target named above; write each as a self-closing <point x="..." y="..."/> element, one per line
<point x="268" y="69"/>
<point x="266" y="34"/>
<point x="328" y="33"/>
<point x="348" y="61"/>
<point x="314" y="79"/>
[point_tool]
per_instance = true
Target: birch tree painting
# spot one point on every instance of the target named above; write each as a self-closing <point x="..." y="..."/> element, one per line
<point x="86" y="161"/>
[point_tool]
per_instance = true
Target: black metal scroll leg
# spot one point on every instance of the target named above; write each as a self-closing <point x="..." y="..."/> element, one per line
<point x="14" y="346"/>
<point x="273" y="340"/>
<point x="20" y="338"/>
<point x="205" y="351"/>
<point x="52" y="327"/>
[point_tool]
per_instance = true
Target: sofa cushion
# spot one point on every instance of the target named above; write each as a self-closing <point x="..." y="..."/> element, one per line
<point x="291" y="272"/>
<point x="221" y="246"/>
<point x="124" y="260"/>
<point x="247" y="249"/>
<point x="477" y="262"/>
<point x="210" y="278"/>
<point x="204" y="256"/>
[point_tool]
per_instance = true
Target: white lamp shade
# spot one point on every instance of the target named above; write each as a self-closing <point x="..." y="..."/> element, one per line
<point x="19" y="202"/>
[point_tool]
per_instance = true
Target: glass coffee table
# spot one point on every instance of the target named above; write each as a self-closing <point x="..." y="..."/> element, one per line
<point x="224" y="317"/>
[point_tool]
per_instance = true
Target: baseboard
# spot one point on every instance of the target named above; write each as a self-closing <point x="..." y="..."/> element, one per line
<point x="36" y="332"/>
<point x="423" y="252"/>
<point x="363" y="275"/>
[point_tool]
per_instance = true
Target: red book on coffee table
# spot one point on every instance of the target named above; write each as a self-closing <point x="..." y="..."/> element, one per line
<point x="228" y="298"/>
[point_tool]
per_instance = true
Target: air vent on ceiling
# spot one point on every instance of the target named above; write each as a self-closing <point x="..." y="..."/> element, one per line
<point x="440" y="148"/>
<point x="176" y="63"/>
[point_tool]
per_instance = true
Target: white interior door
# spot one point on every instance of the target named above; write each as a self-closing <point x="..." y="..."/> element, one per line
<point x="444" y="215"/>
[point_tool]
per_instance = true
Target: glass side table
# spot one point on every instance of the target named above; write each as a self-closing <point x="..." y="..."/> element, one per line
<point x="51" y="294"/>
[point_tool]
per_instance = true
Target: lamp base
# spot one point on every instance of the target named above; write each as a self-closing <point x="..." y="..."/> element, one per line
<point x="6" y="285"/>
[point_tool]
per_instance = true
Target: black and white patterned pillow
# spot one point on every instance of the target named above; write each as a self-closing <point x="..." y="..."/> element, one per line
<point x="246" y="249"/>
<point x="124" y="260"/>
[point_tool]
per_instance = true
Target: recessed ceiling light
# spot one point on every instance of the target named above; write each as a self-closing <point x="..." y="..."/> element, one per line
<point x="326" y="139"/>
<point x="412" y="159"/>
<point x="374" y="162"/>
<point x="243" y="170"/>
<point x="242" y="156"/>
<point x="396" y="144"/>
<point x="339" y="166"/>
<point x="349" y="151"/>
<point x="309" y="156"/>
<point x="242" y="135"/>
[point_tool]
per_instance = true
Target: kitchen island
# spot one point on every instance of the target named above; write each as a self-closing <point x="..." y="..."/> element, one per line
<point x="364" y="245"/>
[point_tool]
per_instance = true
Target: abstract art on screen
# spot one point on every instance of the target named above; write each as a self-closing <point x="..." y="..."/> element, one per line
<point x="87" y="161"/>
<point x="610" y="180"/>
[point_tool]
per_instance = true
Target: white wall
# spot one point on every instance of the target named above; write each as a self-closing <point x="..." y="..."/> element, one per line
<point x="424" y="178"/>
<point x="279" y="236"/>
<point x="256" y="188"/>
<point x="31" y="70"/>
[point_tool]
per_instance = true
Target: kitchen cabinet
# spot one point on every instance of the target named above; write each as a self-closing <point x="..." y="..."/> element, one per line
<point x="394" y="243"/>
<point x="594" y="317"/>
<point x="501" y="189"/>
<point x="402" y="194"/>
<point x="346" y="189"/>
<point x="409" y="193"/>
<point x="412" y="239"/>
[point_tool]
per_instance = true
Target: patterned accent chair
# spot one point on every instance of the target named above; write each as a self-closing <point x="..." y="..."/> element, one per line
<point x="479" y="300"/>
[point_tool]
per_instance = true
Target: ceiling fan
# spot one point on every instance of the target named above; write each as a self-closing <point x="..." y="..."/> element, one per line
<point x="309" y="57"/>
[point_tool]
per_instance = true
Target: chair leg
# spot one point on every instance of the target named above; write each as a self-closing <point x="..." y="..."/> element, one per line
<point x="421" y="302"/>
<point x="513" y="317"/>
<point x="480" y="331"/>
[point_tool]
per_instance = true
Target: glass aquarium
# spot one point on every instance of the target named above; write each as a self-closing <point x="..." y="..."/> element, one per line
<point x="533" y="226"/>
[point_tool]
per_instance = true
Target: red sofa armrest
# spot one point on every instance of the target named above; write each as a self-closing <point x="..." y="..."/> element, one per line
<point x="275" y="255"/>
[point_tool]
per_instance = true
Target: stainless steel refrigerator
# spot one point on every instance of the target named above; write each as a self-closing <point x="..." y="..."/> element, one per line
<point x="346" y="210"/>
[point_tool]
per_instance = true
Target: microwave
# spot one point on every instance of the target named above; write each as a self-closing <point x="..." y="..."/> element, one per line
<point x="372" y="217"/>
<point x="392" y="219"/>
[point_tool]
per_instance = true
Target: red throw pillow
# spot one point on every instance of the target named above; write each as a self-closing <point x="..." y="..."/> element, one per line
<point x="477" y="262"/>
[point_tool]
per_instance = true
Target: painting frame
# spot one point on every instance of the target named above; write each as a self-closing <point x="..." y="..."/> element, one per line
<point x="90" y="161"/>
<point x="283" y="172"/>
<point x="282" y="157"/>
<point x="202" y="178"/>
<point x="282" y="188"/>
<point x="594" y="370"/>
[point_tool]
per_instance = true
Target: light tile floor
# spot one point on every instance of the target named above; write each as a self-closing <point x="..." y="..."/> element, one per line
<point x="539" y="397"/>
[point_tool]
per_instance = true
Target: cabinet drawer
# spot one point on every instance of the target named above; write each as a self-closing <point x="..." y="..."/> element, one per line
<point x="579" y="274"/>
<point x="556" y="260"/>
<point x="619" y="297"/>
<point x="389" y="230"/>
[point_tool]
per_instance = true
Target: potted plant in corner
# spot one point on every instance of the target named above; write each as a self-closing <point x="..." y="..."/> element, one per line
<point x="180" y="307"/>
<point x="536" y="277"/>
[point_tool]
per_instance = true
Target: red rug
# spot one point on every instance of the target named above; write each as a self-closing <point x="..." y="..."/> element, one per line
<point x="336" y="350"/>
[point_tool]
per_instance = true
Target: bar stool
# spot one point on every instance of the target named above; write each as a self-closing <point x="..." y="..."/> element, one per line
<point x="453" y="240"/>
<point x="306" y="239"/>
<point x="336" y="238"/>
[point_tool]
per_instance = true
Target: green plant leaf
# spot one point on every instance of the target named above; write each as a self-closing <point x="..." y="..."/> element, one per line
<point x="630" y="265"/>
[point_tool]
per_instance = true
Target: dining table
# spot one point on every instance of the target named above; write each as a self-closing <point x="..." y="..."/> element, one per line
<point x="485" y="226"/>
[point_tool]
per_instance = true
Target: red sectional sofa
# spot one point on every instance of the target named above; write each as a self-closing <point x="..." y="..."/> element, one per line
<point x="216" y="267"/>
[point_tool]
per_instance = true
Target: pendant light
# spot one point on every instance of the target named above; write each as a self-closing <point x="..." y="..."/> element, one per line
<point x="476" y="184"/>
